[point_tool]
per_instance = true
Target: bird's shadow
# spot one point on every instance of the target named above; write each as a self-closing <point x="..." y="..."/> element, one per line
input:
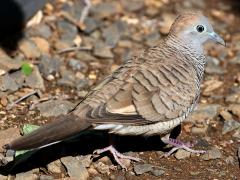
<point x="83" y="145"/>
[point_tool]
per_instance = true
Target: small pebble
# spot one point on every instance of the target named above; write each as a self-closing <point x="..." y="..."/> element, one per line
<point x="213" y="153"/>
<point x="142" y="168"/>
<point x="182" y="154"/>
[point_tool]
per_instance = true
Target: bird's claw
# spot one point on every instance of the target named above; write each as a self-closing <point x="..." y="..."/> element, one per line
<point x="180" y="145"/>
<point x="117" y="155"/>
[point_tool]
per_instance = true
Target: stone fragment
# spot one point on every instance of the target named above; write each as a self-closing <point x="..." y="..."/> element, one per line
<point x="182" y="154"/>
<point x="29" y="49"/>
<point x="54" y="107"/>
<point x="7" y="136"/>
<point x="142" y="168"/>
<point x="213" y="153"/>
<point x="75" y="168"/>
<point x="55" y="167"/>
<point x="42" y="44"/>
<point x="35" y="80"/>
<point x="204" y="111"/>
<point x="7" y="64"/>
<point x="235" y="109"/>
<point x="230" y="125"/>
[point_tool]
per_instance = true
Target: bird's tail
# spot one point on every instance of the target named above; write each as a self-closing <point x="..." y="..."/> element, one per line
<point x="63" y="127"/>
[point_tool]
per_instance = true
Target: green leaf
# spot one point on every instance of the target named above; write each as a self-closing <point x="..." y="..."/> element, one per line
<point x="27" y="128"/>
<point x="26" y="69"/>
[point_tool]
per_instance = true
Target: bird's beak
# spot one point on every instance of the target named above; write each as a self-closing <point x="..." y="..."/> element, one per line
<point x="214" y="36"/>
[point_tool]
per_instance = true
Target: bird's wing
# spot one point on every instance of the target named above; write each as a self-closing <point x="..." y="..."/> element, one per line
<point x="142" y="94"/>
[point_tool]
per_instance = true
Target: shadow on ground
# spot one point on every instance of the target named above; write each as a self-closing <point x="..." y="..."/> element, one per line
<point x="83" y="145"/>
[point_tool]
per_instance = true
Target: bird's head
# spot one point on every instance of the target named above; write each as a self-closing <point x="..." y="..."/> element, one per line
<point x="194" y="28"/>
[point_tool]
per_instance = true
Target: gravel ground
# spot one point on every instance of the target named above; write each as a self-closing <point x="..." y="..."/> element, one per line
<point x="62" y="55"/>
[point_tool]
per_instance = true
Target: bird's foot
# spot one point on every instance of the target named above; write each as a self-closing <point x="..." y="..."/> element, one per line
<point x="177" y="144"/>
<point x="117" y="155"/>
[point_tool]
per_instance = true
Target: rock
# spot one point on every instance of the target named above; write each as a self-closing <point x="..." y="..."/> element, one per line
<point x="182" y="154"/>
<point x="235" y="109"/>
<point x="26" y="176"/>
<point x="233" y="97"/>
<point x="102" y="51"/>
<point x="29" y="49"/>
<point x="46" y="177"/>
<point x="210" y="86"/>
<point x="102" y="168"/>
<point x="92" y="170"/>
<point x="230" y="160"/>
<point x="7" y="64"/>
<point x="49" y="65"/>
<point x="4" y="101"/>
<point x="86" y="160"/>
<point x="90" y="24"/>
<point x="157" y="172"/>
<point x="18" y="77"/>
<point x="213" y="66"/>
<point x="41" y="30"/>
<point x="2" y="177"/>
<point x="55" y="167"/>
<point x="68" y="32"/>
<point x="105" y="9"/>
<point x="78" y="65"/>
<point x="133" y="5"/>
<point x="142" y="168"/>
<point x="84" y="56"/>
<point x="67" y="78"/>
<point x="204" y="111"/>
<point x="35" y="80"/>
<point x="230" y="125"/>
<point x="42" y="44"/>
<point x="194" y="173"/>
<point x="211" y="154"/>
<point x="225" y="115"/>
<point x="54" y="107"/>
<point x="7" y="83"/>
<point x="75" y="168"/>
<point x="7" y="136"/>
<point x="200" y="129"/>
<point x="152" y="38"/>
<point x="113" y="33"/>
<point x="82" y="83"/>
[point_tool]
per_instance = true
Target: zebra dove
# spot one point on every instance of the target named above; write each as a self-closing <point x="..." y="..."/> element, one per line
<point x="149" y="94"/>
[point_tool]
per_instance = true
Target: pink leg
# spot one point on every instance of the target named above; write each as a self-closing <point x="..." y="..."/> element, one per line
<point x="180" y="145"/>
<point x="117" y="155"/>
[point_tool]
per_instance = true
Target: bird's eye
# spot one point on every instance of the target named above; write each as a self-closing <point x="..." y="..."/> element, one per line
<point x="200" y="28"/>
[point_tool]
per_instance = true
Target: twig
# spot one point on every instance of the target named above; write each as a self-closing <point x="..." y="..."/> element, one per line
<point x="85" y="11"/>
<point x="70" y="49"/>
<point x="78" y="23"/>
<point x="69" y="18"/>
<point x="10" y="106"/>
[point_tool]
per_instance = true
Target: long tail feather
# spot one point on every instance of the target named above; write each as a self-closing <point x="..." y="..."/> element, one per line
<point x="63" y="127"/>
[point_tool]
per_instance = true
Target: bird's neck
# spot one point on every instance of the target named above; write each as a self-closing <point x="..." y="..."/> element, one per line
<point x="192" y="52"/>
<point x="189" y="48"/>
